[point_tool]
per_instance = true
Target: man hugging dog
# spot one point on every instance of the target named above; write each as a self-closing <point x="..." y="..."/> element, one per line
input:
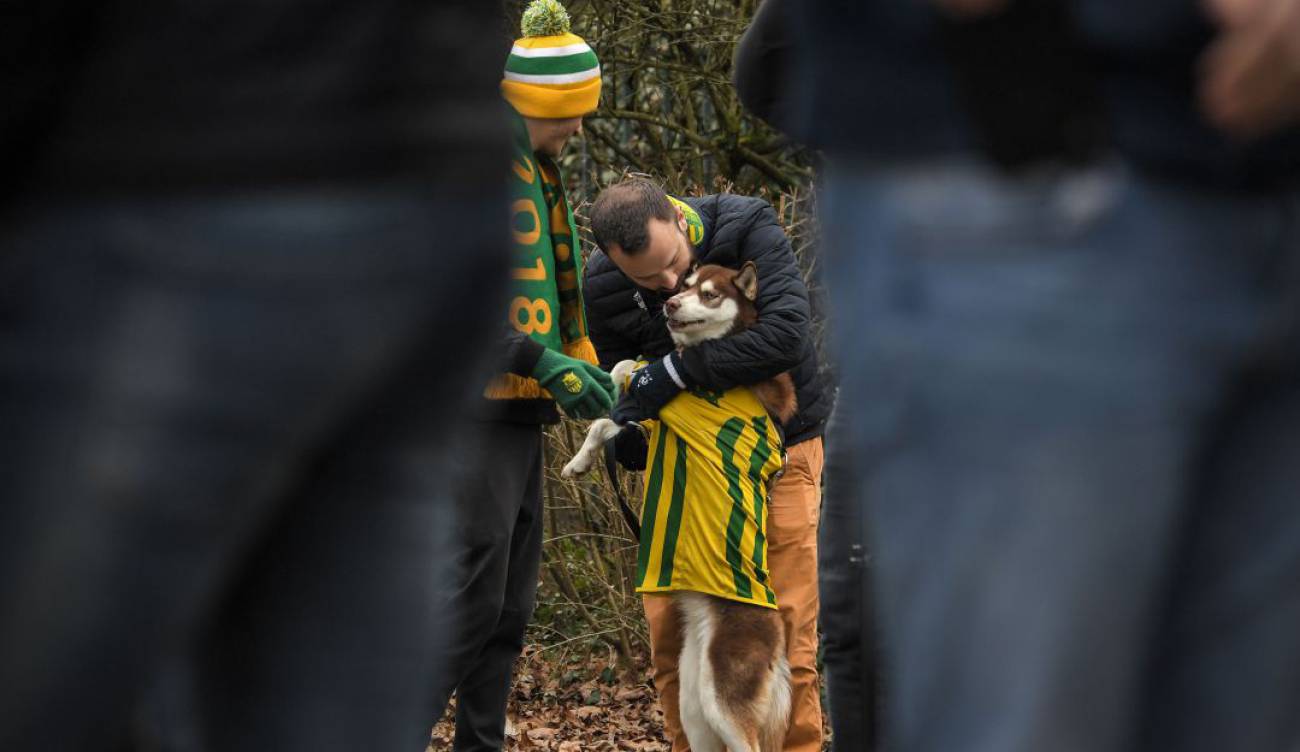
<point x="648" y="244"/>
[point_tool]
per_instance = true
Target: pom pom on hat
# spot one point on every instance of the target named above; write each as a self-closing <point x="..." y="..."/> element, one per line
<point x="545" y="18"/>
<point x="551" y="72"/>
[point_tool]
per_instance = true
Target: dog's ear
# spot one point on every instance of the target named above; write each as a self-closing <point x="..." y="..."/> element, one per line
<point x="747" y="281"/>
<point x="688" y="278"/>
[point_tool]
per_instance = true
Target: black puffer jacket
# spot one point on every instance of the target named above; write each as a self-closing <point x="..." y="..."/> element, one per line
<point x="626" y="321"/>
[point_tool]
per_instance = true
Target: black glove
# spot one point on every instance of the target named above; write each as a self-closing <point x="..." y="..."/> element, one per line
<point x="626" y="411"/>
<point x="631" y="448"/>
<point x="654" y="386"/>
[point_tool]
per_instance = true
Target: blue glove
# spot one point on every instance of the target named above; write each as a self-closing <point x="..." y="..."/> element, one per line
<point x="651" y="388"/>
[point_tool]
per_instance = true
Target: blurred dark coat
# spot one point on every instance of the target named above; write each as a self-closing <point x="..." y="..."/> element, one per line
<point x="287" y="92"/>
<point x="888" y="80"/>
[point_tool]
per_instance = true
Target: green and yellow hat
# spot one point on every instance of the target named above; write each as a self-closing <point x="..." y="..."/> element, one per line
<point x="551" y="72"/>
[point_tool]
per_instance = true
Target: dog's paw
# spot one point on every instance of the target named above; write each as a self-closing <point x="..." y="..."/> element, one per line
<point x="580" y="464"/>
<point x="621" y="372"/>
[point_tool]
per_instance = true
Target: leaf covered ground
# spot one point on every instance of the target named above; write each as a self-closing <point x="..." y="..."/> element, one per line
<point x="572" y="703"/>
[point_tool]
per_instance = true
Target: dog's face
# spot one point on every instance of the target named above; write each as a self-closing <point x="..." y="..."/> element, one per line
<point x="716" y="302"/>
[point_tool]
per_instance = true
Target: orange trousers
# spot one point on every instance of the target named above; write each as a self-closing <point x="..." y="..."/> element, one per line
<point x="792" y="563"/>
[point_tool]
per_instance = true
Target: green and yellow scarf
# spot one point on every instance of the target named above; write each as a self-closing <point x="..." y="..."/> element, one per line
<point x="694" y="226"/>
<point x="547" y="270"/>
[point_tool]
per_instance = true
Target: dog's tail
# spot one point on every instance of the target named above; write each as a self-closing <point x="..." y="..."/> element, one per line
<point x="778" y="708"/>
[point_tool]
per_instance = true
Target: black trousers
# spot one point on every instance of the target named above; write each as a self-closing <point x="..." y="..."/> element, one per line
<point x="849" y="642"/>
<point x="490" y="594"/>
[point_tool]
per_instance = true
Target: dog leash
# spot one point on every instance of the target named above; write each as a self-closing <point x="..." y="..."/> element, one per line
<point x="611" y="469"/>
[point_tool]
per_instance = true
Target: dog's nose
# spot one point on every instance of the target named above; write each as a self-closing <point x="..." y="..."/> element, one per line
<point x="672" y="305"/>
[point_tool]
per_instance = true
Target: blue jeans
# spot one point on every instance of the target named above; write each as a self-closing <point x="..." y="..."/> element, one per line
<point x="223" y="423"/>
<point x="1071" y="423"/>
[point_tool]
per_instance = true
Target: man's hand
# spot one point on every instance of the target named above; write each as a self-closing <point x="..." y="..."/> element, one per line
<point x="581" y="389"/>
<point x="627" y="412"/>
<point x="651" y="388"/>
<point x="1250" y="79"/>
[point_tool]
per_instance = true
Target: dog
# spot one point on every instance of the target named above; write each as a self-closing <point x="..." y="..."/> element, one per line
<point x="733" y="673"/>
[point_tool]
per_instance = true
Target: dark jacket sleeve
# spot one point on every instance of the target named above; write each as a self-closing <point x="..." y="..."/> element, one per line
<point x="611" y="312"/>
<point x="764" y="64"/>
<point x="611" y="346"/>
<point x="777" y="342"/>
<point x="520" y="353"/>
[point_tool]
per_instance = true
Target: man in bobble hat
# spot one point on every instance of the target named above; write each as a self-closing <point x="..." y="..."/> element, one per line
<point x="552" y="79"/>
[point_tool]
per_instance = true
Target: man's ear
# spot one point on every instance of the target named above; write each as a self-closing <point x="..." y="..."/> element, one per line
<point x="681" y="218"/>
<point x="747" y="281"/>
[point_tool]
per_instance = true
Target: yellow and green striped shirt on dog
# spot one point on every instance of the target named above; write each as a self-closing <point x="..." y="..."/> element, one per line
<point x="704" y="518"/>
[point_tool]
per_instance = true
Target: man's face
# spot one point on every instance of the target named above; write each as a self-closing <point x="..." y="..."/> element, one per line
<point x="549" y="135"/>
<point x="666" y="259"/>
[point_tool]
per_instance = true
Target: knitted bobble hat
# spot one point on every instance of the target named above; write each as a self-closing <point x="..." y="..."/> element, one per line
<point x="551" y="72"/>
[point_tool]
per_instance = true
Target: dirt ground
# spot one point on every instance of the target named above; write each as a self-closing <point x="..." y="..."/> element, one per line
<point x="574" y="704"/>
<point x="570" y="705"/>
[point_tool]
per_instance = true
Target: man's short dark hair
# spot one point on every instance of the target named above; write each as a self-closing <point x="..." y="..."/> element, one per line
<point x="621" y="212"/>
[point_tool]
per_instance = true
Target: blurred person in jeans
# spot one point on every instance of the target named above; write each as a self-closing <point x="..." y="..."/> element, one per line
<point x="1070" y="363"/>
<point x="249" y="256"/>
<point x="765" y="70"/>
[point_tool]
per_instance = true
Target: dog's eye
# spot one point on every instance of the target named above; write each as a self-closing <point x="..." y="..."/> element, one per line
<point x="708" y="295"/>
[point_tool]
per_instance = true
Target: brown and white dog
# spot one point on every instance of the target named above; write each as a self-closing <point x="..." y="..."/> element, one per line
<point x="733" y="673"/>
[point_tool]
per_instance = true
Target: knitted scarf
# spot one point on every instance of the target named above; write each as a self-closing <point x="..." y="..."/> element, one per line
<point x="547" y="270"/>
<point x="694" y="225"/>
